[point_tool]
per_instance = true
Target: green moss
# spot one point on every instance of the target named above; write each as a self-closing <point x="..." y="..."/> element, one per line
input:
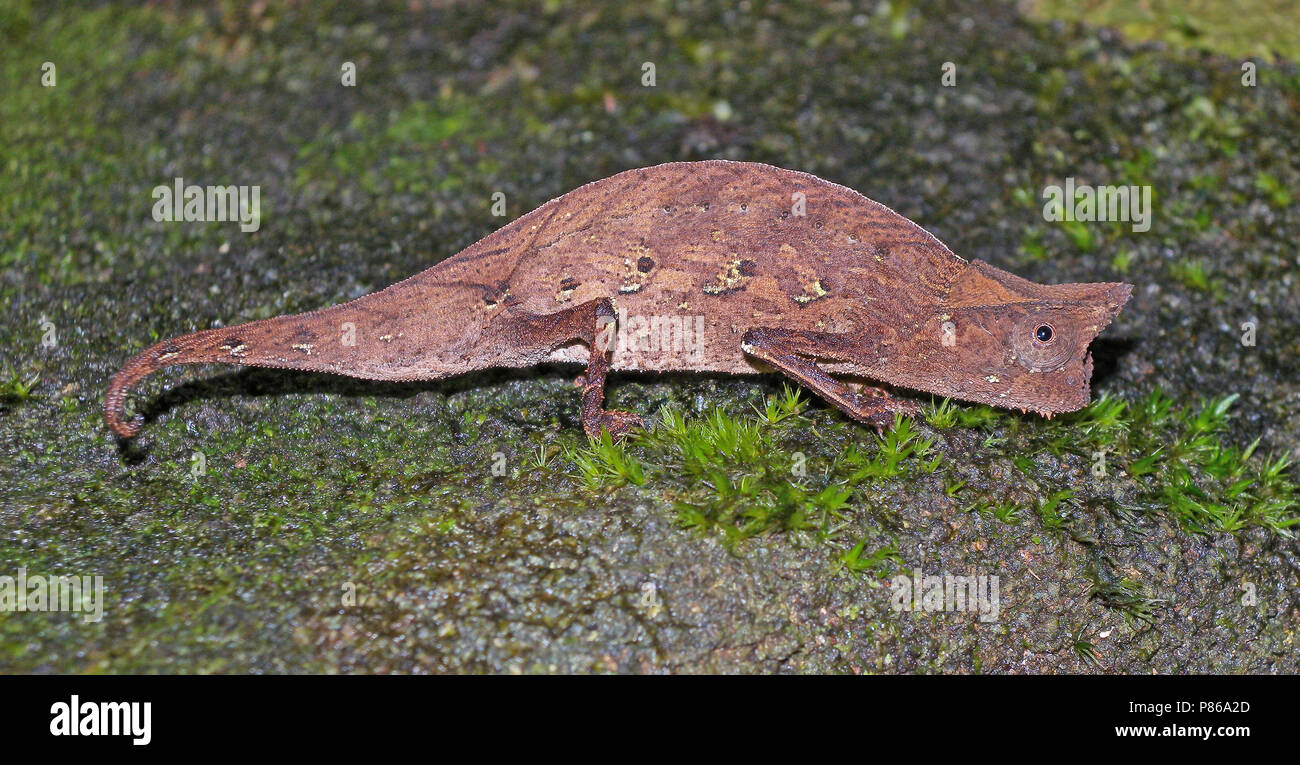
<point x="67" y="155"/>
<point x="1278" y="196"/>
<point x="17" y="388"/>
<point x="1191" y="274"/>
<point x="425" y="148"/>
<point x="745" y="477"/>
<point x="1259" y="28"/>
<point x="605" y="464"/>
<point x="880" y="563"/>
<point x="1122" y="261"/>
<point x="942" y="415"/>
<point x="1184" y="467"/>
<point x="742" y="480"/>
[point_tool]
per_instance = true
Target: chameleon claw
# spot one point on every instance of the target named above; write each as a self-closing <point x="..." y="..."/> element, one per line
<point x="617" y="422"/>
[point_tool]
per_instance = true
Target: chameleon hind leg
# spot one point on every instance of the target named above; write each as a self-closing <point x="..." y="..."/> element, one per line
<point x="594" y="323"/>
<point x="789" y="351"/>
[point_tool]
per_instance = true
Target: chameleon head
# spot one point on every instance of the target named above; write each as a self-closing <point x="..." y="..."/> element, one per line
<point x="1022" y="345"/>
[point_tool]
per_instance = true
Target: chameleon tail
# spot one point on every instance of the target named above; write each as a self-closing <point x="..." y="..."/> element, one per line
<point x="194" y="348"/>
<point x="257" y="343"/>
<point x="362" y="338"/>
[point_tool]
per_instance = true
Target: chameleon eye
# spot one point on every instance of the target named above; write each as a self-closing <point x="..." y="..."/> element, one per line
<point x="1042" y="343"/>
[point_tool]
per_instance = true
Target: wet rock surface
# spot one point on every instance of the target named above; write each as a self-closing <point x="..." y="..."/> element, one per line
<point x="340" y="525"/>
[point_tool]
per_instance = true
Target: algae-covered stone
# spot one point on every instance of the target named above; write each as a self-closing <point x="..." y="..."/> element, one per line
<point x="278" y="522"/>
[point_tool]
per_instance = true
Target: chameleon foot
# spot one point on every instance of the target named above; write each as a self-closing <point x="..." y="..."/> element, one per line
<point x="617" y="422"/>
<point x="879" y="411"/>
<point x="781" y="350"/>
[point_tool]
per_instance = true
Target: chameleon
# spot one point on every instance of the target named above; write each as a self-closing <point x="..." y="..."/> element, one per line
<point x="712" y="266"/>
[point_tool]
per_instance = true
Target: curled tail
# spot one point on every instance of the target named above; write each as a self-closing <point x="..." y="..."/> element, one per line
<point x="204" y="347"/>
<point x="299" y="341"/>
<point x="388" y="335"/>
<point x="418" y="329"/>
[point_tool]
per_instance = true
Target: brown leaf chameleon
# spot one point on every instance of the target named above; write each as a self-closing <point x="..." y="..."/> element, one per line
<point x="702" y="266"/>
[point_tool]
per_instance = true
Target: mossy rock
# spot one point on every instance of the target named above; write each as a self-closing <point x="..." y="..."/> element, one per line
<point x="467" y="526"/>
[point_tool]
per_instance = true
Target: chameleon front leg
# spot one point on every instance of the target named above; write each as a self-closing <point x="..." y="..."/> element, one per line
<point x="594" y="323"/>
<point x="787" y="350"/>
<point x="594" y="415"/>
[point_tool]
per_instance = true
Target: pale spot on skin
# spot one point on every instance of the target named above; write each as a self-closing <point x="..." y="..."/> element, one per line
<point x="729" y="278"/>
<point x="632" y="278"/>
<point x="812" y="292"/>
<point x="304" y="347"/>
